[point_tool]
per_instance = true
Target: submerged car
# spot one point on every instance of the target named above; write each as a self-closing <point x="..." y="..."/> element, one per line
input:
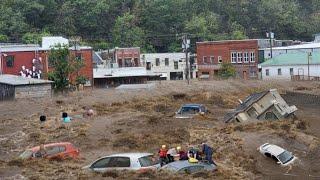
<point x="280" y="155"/>
<point x="190" y="110"/>
<point x="62" y="150"/>
<point x="187" y="167"/>
<point x="125" y="161"/>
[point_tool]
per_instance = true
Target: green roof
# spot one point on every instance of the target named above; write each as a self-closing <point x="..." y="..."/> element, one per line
<point x="293" y="59"/>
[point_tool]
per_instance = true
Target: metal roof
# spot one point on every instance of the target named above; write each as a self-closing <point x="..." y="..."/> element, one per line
<point x="293" y="59"/>
<point x="19" y="80"/>
<point x="293" y="47"/>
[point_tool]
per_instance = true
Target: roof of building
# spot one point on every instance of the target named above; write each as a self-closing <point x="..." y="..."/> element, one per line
<point x="19" y="80"/>
<point x="300" y="46"/>
<point x="245" y="105"/>
<point x="122" y="72"/>
<point x="293" y="59"/>
<point x="223" y="41"/>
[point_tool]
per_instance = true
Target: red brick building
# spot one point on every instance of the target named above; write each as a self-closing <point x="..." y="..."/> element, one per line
<point x="17" y="58"/>
<point x="242" y="54"/>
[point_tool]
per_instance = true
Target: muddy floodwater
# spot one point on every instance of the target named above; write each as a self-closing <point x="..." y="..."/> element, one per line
<point x="142" y="120"/>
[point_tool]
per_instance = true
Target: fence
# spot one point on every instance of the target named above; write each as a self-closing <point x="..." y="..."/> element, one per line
<point x="304" y="78"/>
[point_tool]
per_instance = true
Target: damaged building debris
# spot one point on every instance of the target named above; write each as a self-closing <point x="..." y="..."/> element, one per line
<point x="267" y="105"/>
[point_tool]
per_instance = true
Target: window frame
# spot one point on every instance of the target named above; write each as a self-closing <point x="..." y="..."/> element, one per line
<point x="166" y="61"/>
<point x="246" y="57"/>
<point x="291" y="70"/>
<point x="267" y="72"/>
<point x="204" y="59"/>
<point x="176" y="65"/>
<point x="233" y="57"/>
<point x="279" y="72"/>
<point x="252" y="56"/>
<point x="239" y="57"/>
<point x="10" y="61"/>
<point x="211" y="59"/>
<point x="157" y="61"/>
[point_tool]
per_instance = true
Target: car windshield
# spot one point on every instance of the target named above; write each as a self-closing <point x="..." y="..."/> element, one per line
<point x="26" y="154"/>
<point x="285" y="157"/>
<point x="147" y="161"/>
<point x="189" y="110"/>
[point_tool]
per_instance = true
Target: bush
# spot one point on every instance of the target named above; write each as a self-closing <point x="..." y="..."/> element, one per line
<point x="227" y="70"/>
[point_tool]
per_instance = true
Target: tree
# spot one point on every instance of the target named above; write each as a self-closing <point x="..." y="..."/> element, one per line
<point x="227" y="70"/>
<point x="3" y="38"/>
<point x="65" y="67"/>
<point x="34" y="38"/>
<point x="126" y="33"/>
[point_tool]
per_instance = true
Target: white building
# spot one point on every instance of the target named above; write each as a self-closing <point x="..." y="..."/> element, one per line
<point x="301" y="48"/>
<point x="285" y="66"/>
<point x="171" y="66"/>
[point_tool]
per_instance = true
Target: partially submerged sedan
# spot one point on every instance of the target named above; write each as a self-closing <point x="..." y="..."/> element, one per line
<point x="61" y="151"/>
<point x="125" y="161"/>
<point x="187" y="167"/>
<point x="280" y="155"/>
<point x="191" y="110"/>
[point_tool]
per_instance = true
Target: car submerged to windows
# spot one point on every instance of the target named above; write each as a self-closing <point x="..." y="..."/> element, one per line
<point x="280" y="155"/>
<point x="191" y="110"/>
<point x="62" y="150"/>
<point x="125" y="161"/>
<point x="187" y="167"/>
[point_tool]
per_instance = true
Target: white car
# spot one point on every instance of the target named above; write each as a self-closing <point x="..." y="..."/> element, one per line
<point x="280" y="155"/>
<point x="125" y="161"/>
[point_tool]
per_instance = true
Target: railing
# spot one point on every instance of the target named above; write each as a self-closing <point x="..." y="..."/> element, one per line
<point x="304" y="78"/>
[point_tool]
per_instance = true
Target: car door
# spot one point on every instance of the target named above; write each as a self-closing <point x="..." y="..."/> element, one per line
<point x="101" y="164"/>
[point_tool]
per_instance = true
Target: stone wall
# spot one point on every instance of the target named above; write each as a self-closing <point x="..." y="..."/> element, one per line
<point x="33" y="91"/>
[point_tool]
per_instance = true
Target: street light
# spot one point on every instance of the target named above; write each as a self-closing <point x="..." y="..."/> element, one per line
<point x="1" y="66"/>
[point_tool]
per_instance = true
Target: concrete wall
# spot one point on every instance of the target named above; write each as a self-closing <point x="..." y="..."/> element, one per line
<point x="33" y="91"/>
<point x="285" y="71"/>
<point x="162" y="68"/>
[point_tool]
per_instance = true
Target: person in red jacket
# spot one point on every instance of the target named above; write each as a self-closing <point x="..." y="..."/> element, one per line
<point x="163" y="155"/>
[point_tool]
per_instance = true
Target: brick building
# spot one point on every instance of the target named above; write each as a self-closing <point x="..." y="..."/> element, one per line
<point x="242" y="54"/>
<point x="15" y="59"/>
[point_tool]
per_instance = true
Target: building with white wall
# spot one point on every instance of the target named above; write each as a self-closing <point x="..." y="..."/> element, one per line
<point x="301" y="48"/>
<point x="171" y="66"/>
<point x="285" y="66"/>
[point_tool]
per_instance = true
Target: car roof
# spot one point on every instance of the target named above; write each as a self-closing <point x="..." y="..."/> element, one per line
<point x="274" y="149"/>
<point x="51" y="144"/>
<point x="134" y="155"/>
<point x="192" y="105"/>
<point x="182" y="164"/>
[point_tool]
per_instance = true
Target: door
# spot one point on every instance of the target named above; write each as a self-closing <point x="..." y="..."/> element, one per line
<point x="245" y="75"/>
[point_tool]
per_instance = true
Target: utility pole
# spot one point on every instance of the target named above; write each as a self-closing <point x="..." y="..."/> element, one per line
<point x="185" y="45"/>
<point x="270" y="35"/>
<point x="309" y="55"/>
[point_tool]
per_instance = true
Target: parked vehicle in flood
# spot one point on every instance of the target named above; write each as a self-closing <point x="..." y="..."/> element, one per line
<point x="278" y="154"/>
<point x="191" y="110"/>
<point x="187" y="167"/>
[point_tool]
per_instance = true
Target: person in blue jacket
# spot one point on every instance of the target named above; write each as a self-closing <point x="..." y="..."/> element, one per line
<point x="208" y="152"/>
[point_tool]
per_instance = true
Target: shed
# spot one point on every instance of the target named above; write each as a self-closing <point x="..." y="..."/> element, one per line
<point x="17" y="87"/>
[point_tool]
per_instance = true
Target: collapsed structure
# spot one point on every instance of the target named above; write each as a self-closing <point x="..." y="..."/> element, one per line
<point x="267" y="105"/>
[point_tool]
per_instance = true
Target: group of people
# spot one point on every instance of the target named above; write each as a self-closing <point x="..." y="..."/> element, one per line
<point x="193" y="154"/>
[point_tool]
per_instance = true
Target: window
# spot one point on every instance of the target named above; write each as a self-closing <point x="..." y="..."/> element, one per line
<point x="10" y="61"/>
<point x="157" y="62"/>
<point x="78" y="56"/>
<point x="166" y="61"/>
<point x="252" y="57"/>
<point x="246" y="57"/>
<point x="176" y="65"/>
<point x="239" y="57"/>
<point x="204" y="60"/>
<point x="54" y="150"/>
<point x="291" y="71"/>
<point x="219" y="59"/>
<point x="102" y="163"/>
<point x="211" y="59"/>
<point x="119" y="162"/>
<point x="147" y="161"/>
<point x="252" y="112"/>
<point x="148" y="65"/>
<point x="267" y="72"/>
<point x="279" y="72"/>
<point x="270" y="116"/>
<point x="233" y="57"/>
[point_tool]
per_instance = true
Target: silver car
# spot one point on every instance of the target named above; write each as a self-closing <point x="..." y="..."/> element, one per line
<point x="125" y="161"/>
<point x="280" y="155"/>
<point x="190" y="110"/>
<point x="187" y="167"/>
